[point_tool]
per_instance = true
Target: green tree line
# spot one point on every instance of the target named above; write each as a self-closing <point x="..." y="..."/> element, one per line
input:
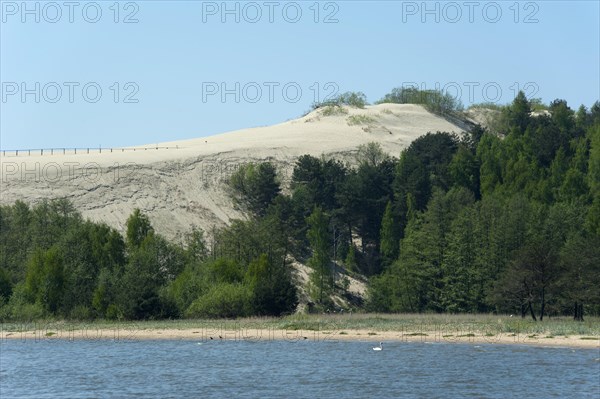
<point x="55" y="264"/>
<point x="507" y="221"/>
<point x="483" y="222"/>
<point x="500" y="223"/>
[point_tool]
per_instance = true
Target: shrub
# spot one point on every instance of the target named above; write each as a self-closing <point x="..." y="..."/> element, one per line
<point x="353" y="120"/>
<point x="114" y="312"/>
<point x="350" y="98"/>
<point x="81" y="312"/>
<point x="434" y="101"/>
<point x="26" y="311"/>
<point x="488" y="105"/>
<point x="332" y="110"/>
<point x="20" y="307"/>
<point x="222" y="300"/>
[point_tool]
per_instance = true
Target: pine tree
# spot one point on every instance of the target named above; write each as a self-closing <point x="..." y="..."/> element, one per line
<point x="389" y="237"/>
<point x="320" y="261"/>
<point x="519" y="114"/>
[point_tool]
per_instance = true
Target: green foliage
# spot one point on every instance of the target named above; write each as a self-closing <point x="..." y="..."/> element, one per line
<point x="464" y="170"/>
<point x="362" y="199"/>
<point x="245" y="241"/>
<point x="320" y="261"/>
<point x="484" y="223"/>
<point x="256" y="185"/>
<point x="187" y="287"/>
<point x="463" y="284"/>
<point x="350" y="261"/>
<point x="371" y="154"/>
<point x="151" y="266"/>
<point x="412" y="182"/>
<point x="333" y="110"/>
<point x="138" y="228"/>
<point x="354" y="120"/>
<point x="224" y="271"/>
<point x="195" y="246"/>
<point x="537" y="104"/>
<point x="488" y="105"/>
<point x="389" y="236"/>
<point x="273" y="293"/>
<point x="21" y="308"/>
<point x="594" y="159"/>
<point x="580" y="260"/>
<point x="435" y="151"/>
<point x="490" y="157"/>
<point x="317" y="181"/>
<point x="593" y="217"/>
<point x="435" y="101"/>
<point x="5" y="284"/>
<point x="224" y="300"/>
<point x="423" y="166"/>
<point x="45" y="279"/>
<point x="353" y="99"/>
<point x="519" y="114"/>
<point x="81" y="313"/>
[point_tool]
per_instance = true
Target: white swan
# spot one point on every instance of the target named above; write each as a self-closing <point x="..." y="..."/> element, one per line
<point x="379" y="348"/>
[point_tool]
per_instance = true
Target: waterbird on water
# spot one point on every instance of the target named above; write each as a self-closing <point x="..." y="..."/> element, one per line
<point x="379" y="348"/>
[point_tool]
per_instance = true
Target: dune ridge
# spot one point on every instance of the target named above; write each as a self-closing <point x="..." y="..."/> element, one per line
<point x="182" y="183"/>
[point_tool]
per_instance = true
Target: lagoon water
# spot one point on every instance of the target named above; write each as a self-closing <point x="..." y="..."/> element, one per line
<point x="280" y="369"/>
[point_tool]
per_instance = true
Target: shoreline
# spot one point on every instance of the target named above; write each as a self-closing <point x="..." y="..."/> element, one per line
<point x="133" y="333"/>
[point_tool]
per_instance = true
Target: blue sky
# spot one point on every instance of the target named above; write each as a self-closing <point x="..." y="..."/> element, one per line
<point x="185" y="69"/>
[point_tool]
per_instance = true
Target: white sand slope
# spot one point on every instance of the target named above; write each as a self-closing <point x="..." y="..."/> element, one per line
<point x="183" y="185"/>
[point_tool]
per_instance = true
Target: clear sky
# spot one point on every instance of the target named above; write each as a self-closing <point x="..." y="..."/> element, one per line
<point x="75" y="74"/>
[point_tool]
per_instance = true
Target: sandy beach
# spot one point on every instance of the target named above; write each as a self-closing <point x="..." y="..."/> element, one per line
<point x="131" y="333"/>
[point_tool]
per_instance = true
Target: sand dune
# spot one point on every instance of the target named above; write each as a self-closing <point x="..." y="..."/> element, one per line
<point x="181" y="184"/>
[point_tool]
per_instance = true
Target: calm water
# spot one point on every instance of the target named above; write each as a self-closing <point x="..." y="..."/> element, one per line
<point x="229" y="369"/>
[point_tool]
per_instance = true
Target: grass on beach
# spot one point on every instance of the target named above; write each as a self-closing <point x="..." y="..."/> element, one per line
<point x="408" y="324"/>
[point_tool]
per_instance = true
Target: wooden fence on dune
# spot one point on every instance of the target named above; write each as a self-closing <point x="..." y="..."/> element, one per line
<point x="76" y="151"/>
